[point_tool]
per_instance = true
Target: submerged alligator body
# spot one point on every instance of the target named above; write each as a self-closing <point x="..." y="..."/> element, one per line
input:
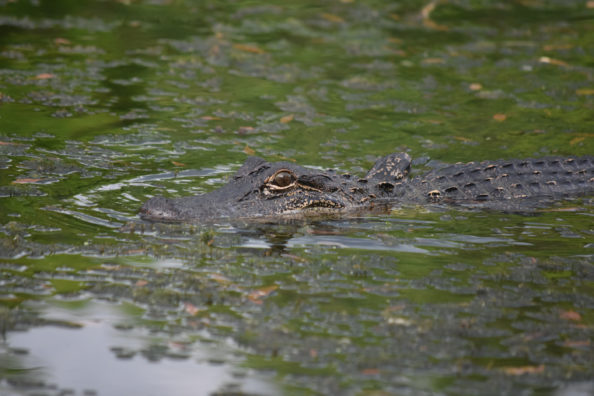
<point x="265" y="189"/>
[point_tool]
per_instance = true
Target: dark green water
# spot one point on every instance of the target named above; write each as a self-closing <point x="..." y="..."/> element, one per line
<point x="104" y="104"/>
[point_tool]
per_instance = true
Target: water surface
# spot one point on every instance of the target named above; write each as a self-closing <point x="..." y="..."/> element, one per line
<point x="104" y="104"/>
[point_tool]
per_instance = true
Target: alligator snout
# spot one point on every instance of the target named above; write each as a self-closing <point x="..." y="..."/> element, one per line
<point x="160" y="208"/>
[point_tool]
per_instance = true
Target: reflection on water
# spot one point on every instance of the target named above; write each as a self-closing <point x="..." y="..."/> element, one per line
<point x="106" y="356"/>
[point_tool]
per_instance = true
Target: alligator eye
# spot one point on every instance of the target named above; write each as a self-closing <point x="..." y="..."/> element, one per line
<point x="283" y="179"/>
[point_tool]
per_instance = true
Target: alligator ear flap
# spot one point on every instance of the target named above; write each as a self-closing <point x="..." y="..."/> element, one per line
<point x="251" y="165"/>
<point x="393" y="167"/>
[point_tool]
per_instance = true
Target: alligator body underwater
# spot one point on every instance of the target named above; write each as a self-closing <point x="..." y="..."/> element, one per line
<point x="269" y="189"/>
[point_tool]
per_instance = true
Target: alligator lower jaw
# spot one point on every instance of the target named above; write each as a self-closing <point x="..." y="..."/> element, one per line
<point x="312" y="211"/>
<point x="333" y="212"/>
<point x="160" y="216"/>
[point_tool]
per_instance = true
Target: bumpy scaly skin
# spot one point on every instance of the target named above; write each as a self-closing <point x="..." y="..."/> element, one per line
<point x="502" y="184"/>
<point x="264" y="189"/>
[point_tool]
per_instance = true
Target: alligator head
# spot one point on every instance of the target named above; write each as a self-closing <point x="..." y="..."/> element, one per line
<point x="261" y="189"/>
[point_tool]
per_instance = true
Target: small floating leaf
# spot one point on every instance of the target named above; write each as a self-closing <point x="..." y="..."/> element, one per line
<point x="553" y="47"/>
<point x="249" y="48"/>
<point x="426" y="15"/>
<point x="576" y="140"/>
<point x="432" y="61"/>
<point x="244" y="129"/>
<point x="220" y="278"/>
<point x="288" y="118"/>
<point x="25" y="181"/>
<point x="556" y="62"/>
<point x="524" y="370"/>
<point x="584" y="91"/>
<point x="570" y="315"/>
<point x="257" y="295"/>
<point x="370" y="371"/>
<point x="44" y="76"/>
<point x="577" y="344"/>
<point x="191" y="309"/>
<point x="332" y="18"/>
<point x="61" y="41"/>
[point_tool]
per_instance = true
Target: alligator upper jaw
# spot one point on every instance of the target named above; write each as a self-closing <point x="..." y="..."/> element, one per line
<point x="206" y="208"/>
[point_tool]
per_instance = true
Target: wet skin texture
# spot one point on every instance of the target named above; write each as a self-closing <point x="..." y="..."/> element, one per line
<point x="265" y="189"/>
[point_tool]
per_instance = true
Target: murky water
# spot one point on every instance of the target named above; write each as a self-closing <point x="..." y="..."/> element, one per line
<point x="104" y="104"/>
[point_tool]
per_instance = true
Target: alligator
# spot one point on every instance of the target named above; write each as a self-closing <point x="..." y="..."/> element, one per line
<point x="261" y="189"/>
